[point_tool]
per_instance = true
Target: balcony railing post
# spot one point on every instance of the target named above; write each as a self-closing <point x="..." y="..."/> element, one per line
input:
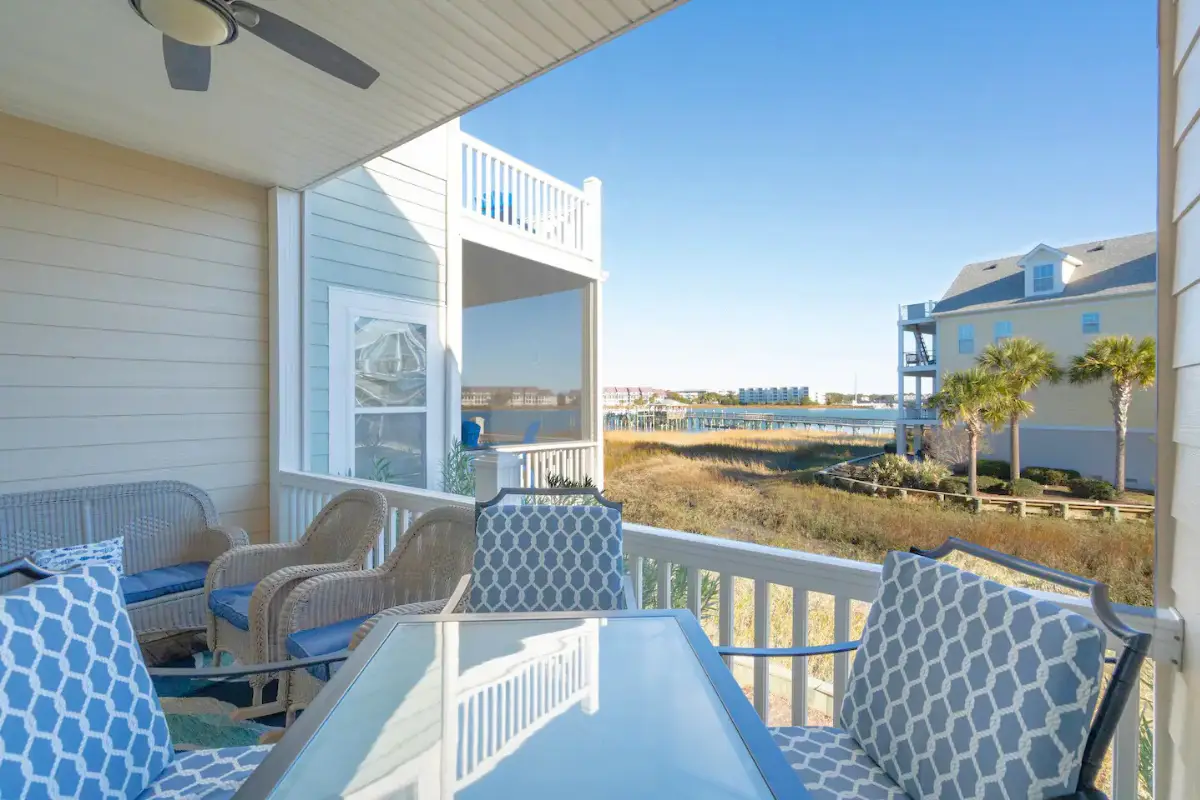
<point x="592" y="191"/>
<point x="495" y="471"/>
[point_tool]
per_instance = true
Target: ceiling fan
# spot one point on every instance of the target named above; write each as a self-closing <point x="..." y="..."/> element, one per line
<point x="191" y="28"/>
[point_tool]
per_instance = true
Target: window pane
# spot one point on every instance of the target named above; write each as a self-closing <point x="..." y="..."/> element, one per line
<point x="522" y="373"/>
<point x="390" y="448"/>
<point x="1091" y="323"/>
<point x="389" y="363"/>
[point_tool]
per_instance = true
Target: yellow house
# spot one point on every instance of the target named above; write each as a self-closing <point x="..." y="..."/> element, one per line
<point x="1063" y="298"/>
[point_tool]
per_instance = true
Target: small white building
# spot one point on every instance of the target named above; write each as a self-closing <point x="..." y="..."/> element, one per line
<point x="775" y="394"/>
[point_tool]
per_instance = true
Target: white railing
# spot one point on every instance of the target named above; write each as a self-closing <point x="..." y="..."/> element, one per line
<point x="811" y="580"/>
<point x="504" y="702"/>
<point x="505" y="191"/>
<point x="573" y="460"/>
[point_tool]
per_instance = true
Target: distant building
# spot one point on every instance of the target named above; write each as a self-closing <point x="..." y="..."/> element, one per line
<point x="512" y="396"/>
<point x="632" y="395"/>
<point x="776" y="394"/>
<point x="1063" y="298"/>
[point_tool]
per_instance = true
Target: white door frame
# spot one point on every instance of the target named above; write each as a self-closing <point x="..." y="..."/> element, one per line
<point x="346" y="304"/>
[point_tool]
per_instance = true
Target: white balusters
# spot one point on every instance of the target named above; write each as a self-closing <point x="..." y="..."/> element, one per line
<point x="762" y="638"/>
<point x="799" y="667"/>
<point x="525" y="200"/>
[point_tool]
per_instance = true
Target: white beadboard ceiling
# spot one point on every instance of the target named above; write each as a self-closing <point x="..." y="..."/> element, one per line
<point x="93" y="67"/>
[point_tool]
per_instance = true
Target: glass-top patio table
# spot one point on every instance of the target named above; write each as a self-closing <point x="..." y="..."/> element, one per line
<point x="629" y="704"/>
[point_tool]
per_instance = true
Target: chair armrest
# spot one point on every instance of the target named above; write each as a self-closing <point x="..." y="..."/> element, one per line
<point x="271" y="593"/>
<point x="631" y="602"/>
<point x="790" y="652"/>
<point x="229" y="673"/>
<point x="425" y="607"/>
<point x="333" y="597"/>
<point x="219" y="540"/>
<point x="250" y="564"/>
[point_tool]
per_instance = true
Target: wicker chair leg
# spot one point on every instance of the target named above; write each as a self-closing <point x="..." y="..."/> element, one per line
<point x="257" y="707"/>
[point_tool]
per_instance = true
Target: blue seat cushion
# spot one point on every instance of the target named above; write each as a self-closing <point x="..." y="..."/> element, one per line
<point x="206" y="774"/>
<point x="142" y="586"/>
<point x="232" y="604"/>
<point x="322" y="641"/>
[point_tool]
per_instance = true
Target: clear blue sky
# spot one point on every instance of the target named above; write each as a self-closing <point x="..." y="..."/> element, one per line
<point x="779" y="175"/>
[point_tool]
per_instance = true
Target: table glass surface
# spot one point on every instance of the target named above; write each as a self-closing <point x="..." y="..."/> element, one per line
<point x="576" y="708"/>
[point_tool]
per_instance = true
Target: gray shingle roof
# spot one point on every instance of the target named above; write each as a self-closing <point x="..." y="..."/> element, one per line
<point x="1110" y="267"/>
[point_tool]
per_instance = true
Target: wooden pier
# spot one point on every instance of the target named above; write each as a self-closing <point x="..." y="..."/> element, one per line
<point x="682" y="418"/>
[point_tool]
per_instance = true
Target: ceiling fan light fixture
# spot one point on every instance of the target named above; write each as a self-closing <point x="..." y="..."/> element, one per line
<point x="203" y="23"/>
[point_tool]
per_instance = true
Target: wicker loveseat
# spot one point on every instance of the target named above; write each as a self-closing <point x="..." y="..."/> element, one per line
<point x="171" y="533"/>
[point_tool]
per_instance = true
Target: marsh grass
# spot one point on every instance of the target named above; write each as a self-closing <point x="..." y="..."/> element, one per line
<point x="756" y="486"/>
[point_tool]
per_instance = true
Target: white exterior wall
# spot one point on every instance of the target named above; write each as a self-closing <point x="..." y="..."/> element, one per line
<point x="1177" y="725"/>
<point x="379" y="228"/>
<point x="133" y="322"/>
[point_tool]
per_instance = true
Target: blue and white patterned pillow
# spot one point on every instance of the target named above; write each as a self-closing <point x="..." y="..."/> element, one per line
<point x="60" y="559"/>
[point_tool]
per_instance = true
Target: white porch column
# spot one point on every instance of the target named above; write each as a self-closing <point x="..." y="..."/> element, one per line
<point x="593" y="390"/>
<point x="452" y="328"/>
<point x="285" y="243"/>
<point x="495" y="471"/>
<point x="901" y="436"/>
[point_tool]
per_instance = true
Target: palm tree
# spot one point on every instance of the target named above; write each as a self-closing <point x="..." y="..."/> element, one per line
<point x="1021" y="364"/>
<point x="1126" y="365"/>
<point x="970" y="397"/>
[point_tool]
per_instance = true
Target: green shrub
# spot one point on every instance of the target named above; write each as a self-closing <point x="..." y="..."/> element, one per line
<point x="928" y="474"/>
<point x="890" y="470"/>
<point x="1049" y="476"/>
<point x="1024" y="487"/>
<point x="953" y="485"/>
<point x="1092" y="489"/>
<point x="994" y="469"/>
<point x="991" y="484"/>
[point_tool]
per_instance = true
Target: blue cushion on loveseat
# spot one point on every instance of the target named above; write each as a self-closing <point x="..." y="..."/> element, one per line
<point x="152" y="583"/>
<point x="233" y="604"/>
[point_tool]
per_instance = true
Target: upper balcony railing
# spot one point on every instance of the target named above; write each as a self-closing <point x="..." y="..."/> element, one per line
<point x="916" y="311"/>
<point x="783" y="590"/>
<point x="504" y="191"/>
<point x="919" y="360"/>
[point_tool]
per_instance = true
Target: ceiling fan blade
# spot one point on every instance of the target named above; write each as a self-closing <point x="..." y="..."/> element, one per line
<point x="188" y="66"/>
<point x="306" y="46"/>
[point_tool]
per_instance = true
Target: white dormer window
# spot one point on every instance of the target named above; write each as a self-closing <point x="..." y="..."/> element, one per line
<point x="1043" y="278"/>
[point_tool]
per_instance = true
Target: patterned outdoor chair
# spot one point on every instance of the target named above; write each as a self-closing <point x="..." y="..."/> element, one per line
<point x="323" y="615"/>
<point x="246" y="588"/>
<point x="534" y="558"/>
<point x="79" y="716"/>
<point x="964" y="688"/>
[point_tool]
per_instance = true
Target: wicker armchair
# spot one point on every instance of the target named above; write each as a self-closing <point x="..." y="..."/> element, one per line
<point x="172" y="534"/>
<point x="246" y="588"/>
<point x="322" y="615"/>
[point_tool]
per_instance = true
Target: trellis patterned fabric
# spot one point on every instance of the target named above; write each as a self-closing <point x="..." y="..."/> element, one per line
<point x="206" y="774"/>
<point x="61" y="559"/>
<point x="534" y="558"/>
<point x="79" y="717"/>
<point x="832" y="766"/>
<point x="965" y="688"/>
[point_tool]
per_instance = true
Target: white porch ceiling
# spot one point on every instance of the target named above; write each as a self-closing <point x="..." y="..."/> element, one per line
<point x="93" y="67"/>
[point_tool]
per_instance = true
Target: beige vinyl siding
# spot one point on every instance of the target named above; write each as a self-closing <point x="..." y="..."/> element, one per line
<point x="1177" y="726"/>
<point x="379" y="228"/>
<point x="133" y="322"/>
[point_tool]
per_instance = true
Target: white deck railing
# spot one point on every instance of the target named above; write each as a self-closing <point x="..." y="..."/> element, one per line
<point x="573" y="460"/>
<point x="504" y="191"/>
<point x="809" y="578"/>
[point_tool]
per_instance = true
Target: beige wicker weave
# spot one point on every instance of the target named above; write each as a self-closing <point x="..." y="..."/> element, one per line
<point x="164" y="523"/>
<point x="417" y="578"/>
<point x="338" y="540"/>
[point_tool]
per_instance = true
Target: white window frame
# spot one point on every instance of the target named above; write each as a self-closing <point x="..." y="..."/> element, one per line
<point x="1037" y="268"/>
<point x="1084" y="322"/>
<point x="344" y="306"/>
<point x="969" y="338"/>
<point x="1001" y="330"/>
